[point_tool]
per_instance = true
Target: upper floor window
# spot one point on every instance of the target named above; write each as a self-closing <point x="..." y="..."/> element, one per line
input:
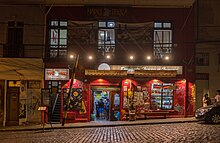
<point x="58" y="38"/>
<point x="202" y="59"/>
<point x="162" y="39"/>
<point x="14" y="47"/>
<point x="106" y="37"/>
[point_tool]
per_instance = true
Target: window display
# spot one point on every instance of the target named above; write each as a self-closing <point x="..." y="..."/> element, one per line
<point x="161" y="96"/>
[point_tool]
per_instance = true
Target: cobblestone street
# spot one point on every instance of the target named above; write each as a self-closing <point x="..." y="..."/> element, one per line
<point x="179" y="132"/>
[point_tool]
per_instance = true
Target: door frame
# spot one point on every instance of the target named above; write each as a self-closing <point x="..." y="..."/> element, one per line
<point x="10" y="120"/>
<point x="111" y="96"/>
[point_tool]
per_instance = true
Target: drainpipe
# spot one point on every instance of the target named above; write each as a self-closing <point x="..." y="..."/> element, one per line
<point x="5" y="104"/>
<point x="45" y="27"/>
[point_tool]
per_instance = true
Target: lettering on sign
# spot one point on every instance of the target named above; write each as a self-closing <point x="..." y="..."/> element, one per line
<point x="106" y="12"/>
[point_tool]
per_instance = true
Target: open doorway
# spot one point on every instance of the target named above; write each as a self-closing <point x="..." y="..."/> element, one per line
<point x="105" y="104"/>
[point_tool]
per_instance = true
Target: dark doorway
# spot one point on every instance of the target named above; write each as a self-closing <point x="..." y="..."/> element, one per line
<point x="13" y="106"/>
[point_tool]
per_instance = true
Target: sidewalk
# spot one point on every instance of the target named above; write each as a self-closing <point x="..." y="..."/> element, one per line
<point x="97" y="124"/>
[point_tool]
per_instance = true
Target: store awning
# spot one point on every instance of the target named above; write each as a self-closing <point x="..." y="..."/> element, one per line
<point x="76" y="84"/>
<point x="21" y="69"/>
<point x="136" y="73"/>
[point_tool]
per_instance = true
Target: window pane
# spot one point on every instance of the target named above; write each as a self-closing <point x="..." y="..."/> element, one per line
<point x="157" y="36"/>
<point x="110" y="36"/>
<point x="167" y="25"/>
<point x="102" y="24"/>
<point x="63" y="41"/>
<point x="101" y="37"/>
<point x="166" y="37"/>
<point x="63" y="23"/>
<point x="111" y="24"/>
<point x="202" y="59"/>
<point x="54" y="36"/>
<point x="63" y="33"/>
<point x="53" y="53"/>
<point x="158" y="25"/>
<point x="62" y="53"/>
<point x="54" y="23"/>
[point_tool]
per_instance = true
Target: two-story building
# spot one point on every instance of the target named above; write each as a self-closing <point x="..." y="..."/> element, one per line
<point x="130" y="53"/>
<point x="127" y="55"/>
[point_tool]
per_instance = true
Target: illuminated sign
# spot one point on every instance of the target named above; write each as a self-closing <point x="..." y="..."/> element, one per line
<point x="106" y="72"/>
<point x="178" y="69"/>
<point x="56" y="74"/>
<point x="140" y="73"/>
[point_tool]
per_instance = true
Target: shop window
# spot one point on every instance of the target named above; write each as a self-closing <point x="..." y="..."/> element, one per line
<point x="54" y="86"/>
<point x="162" y="96"/>
<point x="106" y="37"/>
<point x="162" y="39"/>
<point x="58" y="38"/>
<point x="202" y="59"/>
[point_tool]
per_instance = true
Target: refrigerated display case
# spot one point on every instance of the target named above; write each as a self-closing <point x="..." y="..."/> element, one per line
<point x="167" y="96"/>
<point x="156" y="96"/>
<point x="161" y="96"/>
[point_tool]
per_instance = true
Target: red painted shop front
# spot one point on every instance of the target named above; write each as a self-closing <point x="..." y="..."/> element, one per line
<point x="118" y="92"/>
<point x="78" y="110"/>
<point x="146" y="94"/>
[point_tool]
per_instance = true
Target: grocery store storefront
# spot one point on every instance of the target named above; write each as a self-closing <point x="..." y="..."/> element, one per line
<point x="147" y="88"/>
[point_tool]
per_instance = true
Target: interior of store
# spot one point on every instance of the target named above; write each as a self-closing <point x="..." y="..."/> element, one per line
<point x="106" y="104"/>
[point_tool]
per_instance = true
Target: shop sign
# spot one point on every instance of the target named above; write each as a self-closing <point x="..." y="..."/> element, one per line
<point x="137" y="73"/>
<point x="56" y="74"/>
<point x="106" y="72"/>
<point x="178" y="69"/>
<point x="98" y="12"/>
<point x="153" y="73"/>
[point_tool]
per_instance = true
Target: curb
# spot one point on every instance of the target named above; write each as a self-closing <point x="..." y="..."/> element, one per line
<point x="91" y="126"/>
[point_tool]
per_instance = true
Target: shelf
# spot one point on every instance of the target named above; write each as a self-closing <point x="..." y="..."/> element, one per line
<point x="156" y="95"/>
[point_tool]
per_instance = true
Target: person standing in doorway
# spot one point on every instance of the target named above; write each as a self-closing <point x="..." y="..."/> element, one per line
<point x="206" y="100"/>
<point x="101" y="108"/>
<point x="107" y="108"/>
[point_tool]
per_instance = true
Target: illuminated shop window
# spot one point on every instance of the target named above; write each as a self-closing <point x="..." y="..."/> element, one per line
<point x="58" y="39"/>
<point x="162" y="39"/>
<point x="106" y="37"/>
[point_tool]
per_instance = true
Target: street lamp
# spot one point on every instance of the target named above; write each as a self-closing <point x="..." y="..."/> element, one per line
<point x="73" y="75"/>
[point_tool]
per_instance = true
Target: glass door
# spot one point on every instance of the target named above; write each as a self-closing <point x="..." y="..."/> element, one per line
<point x="156" y="90"/>
<point x="167" y="96"/>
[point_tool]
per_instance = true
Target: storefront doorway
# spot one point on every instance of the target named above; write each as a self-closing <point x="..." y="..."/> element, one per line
<point x="13" y="106"/>
<point x="105" y="103"/>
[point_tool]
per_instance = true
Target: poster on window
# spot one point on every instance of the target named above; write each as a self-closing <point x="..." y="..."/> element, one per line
<point x="22" y="108"/>
<point x="45" y="94"/>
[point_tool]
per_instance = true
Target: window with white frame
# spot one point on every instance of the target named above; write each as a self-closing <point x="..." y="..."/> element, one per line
<point x="58" y="38"/>
<point x="106" y="37"/>
<point x="162" y="39"/>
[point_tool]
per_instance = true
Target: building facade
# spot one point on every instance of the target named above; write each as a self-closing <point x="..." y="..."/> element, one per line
<point x="127" y="55"/>
<point x="207" y="50"/>
<point x="139" y="54"/>
<point x="21" y="63"/>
